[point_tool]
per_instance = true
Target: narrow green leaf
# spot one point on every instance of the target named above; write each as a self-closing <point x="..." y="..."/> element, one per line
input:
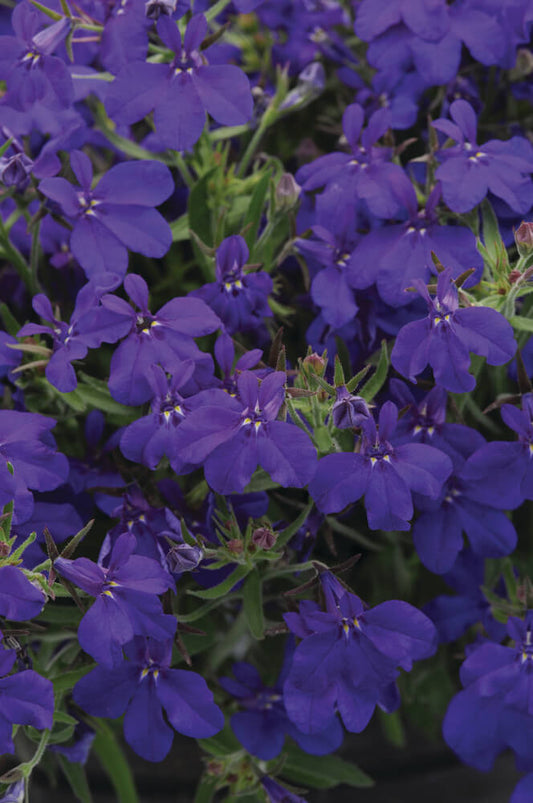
<point x="223" y="743"/>
<point x="285" y="535"/>
<point x="377" y="380"/>
<point x="205" y="792"/>
<point x="357" y="379"/>
<point x="67" y="680"/>
<point x="75" y="775"/>
<point x="522" y="324"/>
<point x="199" y="208"/>
<point x="218" y="591"/>
<point x="5" y="146"/>
<point x="95" y="392"/>
<point x="48" y="11"/>
<point x="393" y="727"/>
<point x="322" y="772"/>
<point x="180" y="229"/>
<point x="339" y="373"/>
<point x="114" y="762"/>
<point x="491" y="231"/>
<point x="252" y="598"/>
<point x="252" y="219"/>
<point x="11" y="324"/>
<point x="323" y="384"/>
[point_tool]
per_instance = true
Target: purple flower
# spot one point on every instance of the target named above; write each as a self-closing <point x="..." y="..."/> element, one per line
<point x="32" y="74"/>
<point x="349" y="411"/>
<point x="394" y="256"/>
<point x="181" y="92"/>
<point x="27" y="699"/>
<point x="503" y="470"/>
<point x="425" y="18"/>
<point x="276" y="793"/>
<point x="469" y="171"/>
<point x="72" y="340"/>
<point x="164" y="338"/>
<point x="116" y="215"/>
<point x="27" y="444"/>
<point x="239" y="299"/>
<point x="126" y="600"/>
<point x="239" y="434"/>
<point x="262" y="723"/>
<point x="19" y="598"/>
<point x="523" y="792"/>
<point x="141" y="687"/>
<point x="349" y="656"/>
<point x="387" y="475"/>
<point x="495" y="709"/>
<point x="446" y="336"/>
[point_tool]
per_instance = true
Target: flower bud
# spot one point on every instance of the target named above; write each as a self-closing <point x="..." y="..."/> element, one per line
<point x="154" y="8"/>
<point x="524" y="238"/>
<point x="314" y="364"/>
<point x="349" y="411"/>
<point x="184" y="557"/>
<point x="15" y="171"/>
<point x="287" y="191"/>
<point x="264" y="538"/>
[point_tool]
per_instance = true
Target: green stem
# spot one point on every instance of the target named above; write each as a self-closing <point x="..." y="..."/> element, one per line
<point x="215" y="10"/>
<point x="184" y="171"/>
<point x="14" y="256"/>
<point x="252" y="147"/>
<point x="29" y="766"/>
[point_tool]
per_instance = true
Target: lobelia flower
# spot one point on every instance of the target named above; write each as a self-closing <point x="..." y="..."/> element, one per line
<point x="27" y="699"/>
<point x="276" y="793"/>
<point x="348" y="411"/>
<point x="523" y="792"/>
<point x="503" y="469"/>
<point x="386" y="475"/>
<point x="469" y="171"/>
<point x="141" y="687"/>
<point x="262" y="723"/>
<point x="27" y="444"/>
<point x="452" y="615"/>
<point x="239" y="299"/>
<point x="349" y="657"/>
<point x="495" y="710"/>
<point x="393" y="256"/>
<point x="240" y="433"/>
<point x="71" y="341"/>
<point x="19" y="598"/>
<point x="32" y="74"/>
<point x="446" y="336"/>
<point x="164" y="338"/>
<point x="126" y="600"/>
<point x="181" y="92"/>
<point x="15" y="793"/>
<point x="365" y="173"/>
<point x="114" y="216"/>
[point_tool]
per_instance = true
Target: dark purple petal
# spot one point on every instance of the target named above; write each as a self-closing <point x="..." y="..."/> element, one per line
<point x="225" y="93"/>
<point x="189" y="703"/>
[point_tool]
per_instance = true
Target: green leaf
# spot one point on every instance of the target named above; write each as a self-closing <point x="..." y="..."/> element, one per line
<point x="260" y="482"/>
<point x="114" y="762"/>
<point x="180" y="229"/>
<point x="255" y="212"/>
<point x="207" y="787"/>
<point x="199" y="208"/>
<point x="95" y="393"/>
<point x="377" y="380"/>
<point x="393" y="727"/>
<point x="322" y="772"/>
<point x="11" y="324"/>
<point x="285" y="535"/>
<point x="522" y="324"/>
<point x="339" y="373"/>
<point x="218" y="591"/>
<point x="491" y="231"/>
<point x="252" y="599"/>
<point x="323" y="384"/>
<point x="67" y="680"/>
<point x="222" y="744"/>
<point x="75" y="775"/>
<point x="48" y="11"/>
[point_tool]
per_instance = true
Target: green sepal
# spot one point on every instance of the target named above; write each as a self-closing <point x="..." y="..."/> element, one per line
<point x="377" y="380"/>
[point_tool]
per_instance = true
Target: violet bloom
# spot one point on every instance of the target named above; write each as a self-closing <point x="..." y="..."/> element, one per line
<point x="427" y="18"/>
<point x="239" y="434"/>
<point x="181" y="92"/>
<point x="503" y="470"/>
<point x="239" y="299"/>
<point x="27" y="444"/>
<point x="165" y="338"/>
<point x="349" y="411"/>
<point x="27" y="699"/>
<point x="126" y="600"/>
<point x="523" y="792"/>
<point x="495" y="709"/>
<point x="386" y="475"/>
<point x="72" y="340"/>
<point x="262" y="724"/>
<point x="276" y="793"/>
<point x="154" y="436"/>
<point x="365" y="173"/>
<point x="32" y="74"/>
<point x="19" y="598"/>
<point x="349" y="657"/>
<point x="394" y="256"/>
<point x="141" y="687"/>
<point x="446" y="336"/>
<point x="469" y="171"/>
<point x="116" y="215"/>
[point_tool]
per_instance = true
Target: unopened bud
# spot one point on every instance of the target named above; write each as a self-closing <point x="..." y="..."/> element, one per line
<point x="287" y="191"/>
<point x="154" y="8"/>
<point x="184" y="557"/>
<point x="315" y="364"/>
<point x="349" y="411"/>
<point x="524" y="238"/>
<point x="235" y="545"/>
<point x="15" y="171"/>
<point x="264" y="538"/>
